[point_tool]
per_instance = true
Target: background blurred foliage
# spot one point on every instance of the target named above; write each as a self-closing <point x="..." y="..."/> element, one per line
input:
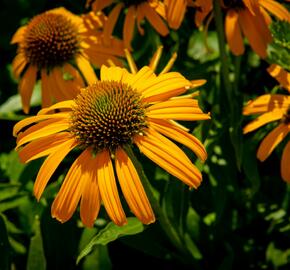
<point x="237" y="219"/>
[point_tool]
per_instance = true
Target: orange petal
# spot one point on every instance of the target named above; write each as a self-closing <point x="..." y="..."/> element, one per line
<point x="42" y="129"/>
<point x="68" y="197"/>
<point x="281" y="75"/>
<point x="251" y="28"/>
<point x="140" y="17"/>
<point x="179" y="135"/>
<point x="233" y="33"/>
<point x="67" y="104"/>
<point x="271" y="141"/>
<point x="91" y="198"/>
<point x="154" y="19"/>
<point x="100" y="5"/>
<point x="108" y="188"/>
<point x="169" y="157"/>
<point x="177" y="109"/>
<point x="267" y="103"/>
<point x="86" y="69"/>
<point x="18" y="64"/>
<point x="46" y="94"/>
<point x="285" y="168"/>
<point x="175" y="12"/>
<point x="264" y="119"/>
<point x="18" y="36"/>
<point x="111" y="22"/>
<point x="132" y="188"/>
<point x="43" y="146"/>
<point x="276" y="9"/>
<point x="49" y="166"/>
<point x="26" y="86"/>
<point x="128" y="28"/>
<point x="34" y="119"/>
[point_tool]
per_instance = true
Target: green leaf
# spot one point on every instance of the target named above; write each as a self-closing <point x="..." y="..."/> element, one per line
<point x="12" y="202"/>
<point x="110" y="233"/>
<point x="192" y="247"/>
<point x="277" y="256"/>
<point x="4" y="246"/>
<point x="36" y="258"/>
<point x="13" y="104"/>
<point x="279" y="49"/>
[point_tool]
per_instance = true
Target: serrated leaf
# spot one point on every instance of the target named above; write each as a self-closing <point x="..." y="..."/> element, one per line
<point x="110" y="233"/>
<point x="4" y="246"/>
<point x="36" y="259"/>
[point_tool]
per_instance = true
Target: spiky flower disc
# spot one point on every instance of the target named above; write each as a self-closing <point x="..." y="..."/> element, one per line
<point x="107" y="114"/>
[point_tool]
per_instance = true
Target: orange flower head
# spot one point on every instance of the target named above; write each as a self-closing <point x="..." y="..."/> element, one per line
<point x="60" y="48"/>
<point x="251" y="18"/>
<point x="103" y="122"/>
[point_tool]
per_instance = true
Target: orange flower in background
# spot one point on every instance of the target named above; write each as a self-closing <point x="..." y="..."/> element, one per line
<point x="175" y="11"/>
<point x="137" y="10"/>
<point x="272" y="108"/>
<point x="281" y="75"/>
<point x="107" y="118"/>
<point x="57" y="47"/>
<point x="251" y="18"/>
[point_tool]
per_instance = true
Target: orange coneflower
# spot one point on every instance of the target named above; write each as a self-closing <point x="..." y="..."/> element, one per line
<point x="273" y="108"/>
<point x="58" y="47"/>
<point x="152" y="10"/>
<point x="251" y="18"/>
<point x="120" y="110"/>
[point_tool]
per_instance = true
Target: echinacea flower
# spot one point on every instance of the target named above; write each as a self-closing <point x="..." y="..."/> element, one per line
<point x="118" y="111"/>
<point x="152" y="10"/>
<point x="272" y="108"/>
<point x="251" y="18"/>
<point x="57" y="47"/>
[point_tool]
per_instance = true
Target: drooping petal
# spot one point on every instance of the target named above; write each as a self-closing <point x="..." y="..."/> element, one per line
<point x="43" y="146"/>
<point x="108" y="188"/>
<point x="49" y="166"/>
<point x="18" y="64"/>
<point x="26" y="86"/>
<point x="91" y="198"/>
<point x="263" y="119"/>
<point x="86" y="69"/>
<point x="46" y="95"/>
<point x="177" y="109"/>
<point x="154" y="19"/>
<point x="179" y="135"/>
<point x="128" y="28"/>
<point x="111" y="22"/>
<point x="101" y="4"/>
<point x="68" y="197"/>
<point x="233" y="33"/>
<point x="251" y="29"/>
<point x="175" y="12"/>
<point x="271" y="141"/>
<point x="132" y="188"/>
<point x="285" y="161"/>
<point x="169" y="157"/>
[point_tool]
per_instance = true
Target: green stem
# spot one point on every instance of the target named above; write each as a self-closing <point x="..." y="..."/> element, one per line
<point x="222" y="48"/>
<point x="237" y="73"/>
<point x="162" y="218"/>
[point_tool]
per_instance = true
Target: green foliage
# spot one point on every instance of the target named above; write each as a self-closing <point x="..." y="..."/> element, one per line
<point x="279" y="49"/>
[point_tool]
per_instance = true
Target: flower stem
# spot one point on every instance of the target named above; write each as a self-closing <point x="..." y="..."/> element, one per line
<point x="162" y="218"/>
<point x="222" y="48"/>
